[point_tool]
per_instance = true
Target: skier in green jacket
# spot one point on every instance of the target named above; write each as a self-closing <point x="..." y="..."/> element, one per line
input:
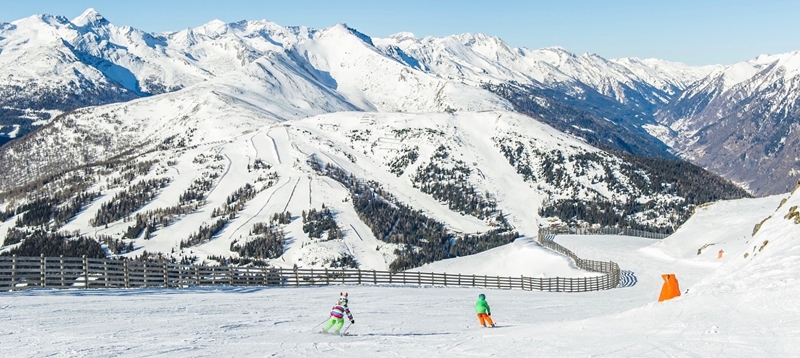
<point x="483" y="311"/>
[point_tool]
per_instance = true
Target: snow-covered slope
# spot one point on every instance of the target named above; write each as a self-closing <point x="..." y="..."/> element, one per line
<point x="732" y="307"/>
<point x="523" y="257"/>
<point x="234" y="137"/>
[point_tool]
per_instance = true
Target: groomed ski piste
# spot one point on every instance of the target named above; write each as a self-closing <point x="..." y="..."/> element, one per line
<point x="734" y="306"/>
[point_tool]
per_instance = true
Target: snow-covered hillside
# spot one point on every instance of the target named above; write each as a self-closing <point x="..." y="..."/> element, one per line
<point x="244" y="128"/>
<point x="194" y="153"/>
<point x="732" y="307"/>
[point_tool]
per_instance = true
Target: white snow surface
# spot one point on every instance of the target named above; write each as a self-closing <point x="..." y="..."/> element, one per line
<point x="730" y="307"/>
<point x="523" y="257"/>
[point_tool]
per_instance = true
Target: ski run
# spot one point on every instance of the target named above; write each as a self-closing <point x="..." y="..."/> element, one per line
<point x="734" y="306"/>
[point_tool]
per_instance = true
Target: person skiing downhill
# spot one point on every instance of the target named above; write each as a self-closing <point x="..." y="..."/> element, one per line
<point x="338" y="312"/>
<point x="483" y="311"/>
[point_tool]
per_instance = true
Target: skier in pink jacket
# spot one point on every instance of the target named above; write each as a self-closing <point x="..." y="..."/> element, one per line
<point x="338" y="312"/>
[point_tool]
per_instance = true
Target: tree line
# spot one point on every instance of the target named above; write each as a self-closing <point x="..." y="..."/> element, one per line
<point x="448" y="181"/>
<point x="319" y="222"/>
<point x="225" y="213"/>
<point x="126" y="202"/>
<point x="421" y="238"/>
<point x="52" y="244"/>
<point x="269" y="239"/>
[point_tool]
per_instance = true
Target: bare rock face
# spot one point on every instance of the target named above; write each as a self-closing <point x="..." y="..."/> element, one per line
<point x="746" y="131"/>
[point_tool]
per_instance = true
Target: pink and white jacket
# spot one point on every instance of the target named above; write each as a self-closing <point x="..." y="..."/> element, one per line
<point x="339" y="311"/>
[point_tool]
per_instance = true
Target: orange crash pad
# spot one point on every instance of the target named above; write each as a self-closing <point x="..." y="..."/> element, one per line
<point x="670" y="288"/>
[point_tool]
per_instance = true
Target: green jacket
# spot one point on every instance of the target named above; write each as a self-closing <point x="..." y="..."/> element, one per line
<point x="482" y="307"/>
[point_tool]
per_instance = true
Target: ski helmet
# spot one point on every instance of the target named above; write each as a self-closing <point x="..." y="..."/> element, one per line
<point x="343" y="298"/>
<point x="482" y="296"/>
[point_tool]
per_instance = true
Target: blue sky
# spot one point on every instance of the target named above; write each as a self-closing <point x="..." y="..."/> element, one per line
<point x="694" y="32"/>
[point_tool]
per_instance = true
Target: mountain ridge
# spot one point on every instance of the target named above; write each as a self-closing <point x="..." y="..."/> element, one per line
<point x="236" y="133"/>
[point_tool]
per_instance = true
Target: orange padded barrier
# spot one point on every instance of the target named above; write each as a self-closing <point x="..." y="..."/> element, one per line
<point x="670" y="288"/>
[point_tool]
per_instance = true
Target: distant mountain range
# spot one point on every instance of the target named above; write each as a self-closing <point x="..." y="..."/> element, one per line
<point x="197" y="143"/>
<point x="738" y="120"/>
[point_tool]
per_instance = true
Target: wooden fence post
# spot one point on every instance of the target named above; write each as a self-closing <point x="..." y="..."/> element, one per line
<point x="13" y="271"/>
<point x="230" y="274"/>
<point x="180" y="275"/>
<point x="197" y="274"/>
<point x="558" y="284"/>
<point x="144" y="270"/>
<point x="522" y="282"/>
<point x="213" y="275"/>
<point x="127" y="273"/>
<point x="166" y="275"/>
<point x="343" y="275"/>
<point x="61" y="271"/>
<point x="85" y="272"/>
<point x="374" y="277"/>
<point x="296" y="277"/>
<point x="43" y="276"/>
<point x="459" y="279"/>
<point x="105" y="272"/>
<point x="327" y="277"/>
<point x="264" y="273"/>
<point x="359" y="276"/>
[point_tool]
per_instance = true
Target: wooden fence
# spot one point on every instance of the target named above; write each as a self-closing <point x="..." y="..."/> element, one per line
<point x="611" y="269"/>
<point x="601" y="231"/>
<point x="70" y="272"/>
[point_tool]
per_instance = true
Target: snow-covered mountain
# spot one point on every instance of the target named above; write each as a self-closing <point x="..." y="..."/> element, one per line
<point x="476" y="58"/>
<point x="742" y="121"/>
<point x="313" y="148"/>
<point x="203" y="172"/>
<point x="91" y="61"/>
<point x="606" y="102"/>
<point x="49" y="64"/>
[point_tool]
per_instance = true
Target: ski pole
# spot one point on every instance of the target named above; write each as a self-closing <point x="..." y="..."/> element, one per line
<point x="345" y="330"/>
<point x="312" y="328"/>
